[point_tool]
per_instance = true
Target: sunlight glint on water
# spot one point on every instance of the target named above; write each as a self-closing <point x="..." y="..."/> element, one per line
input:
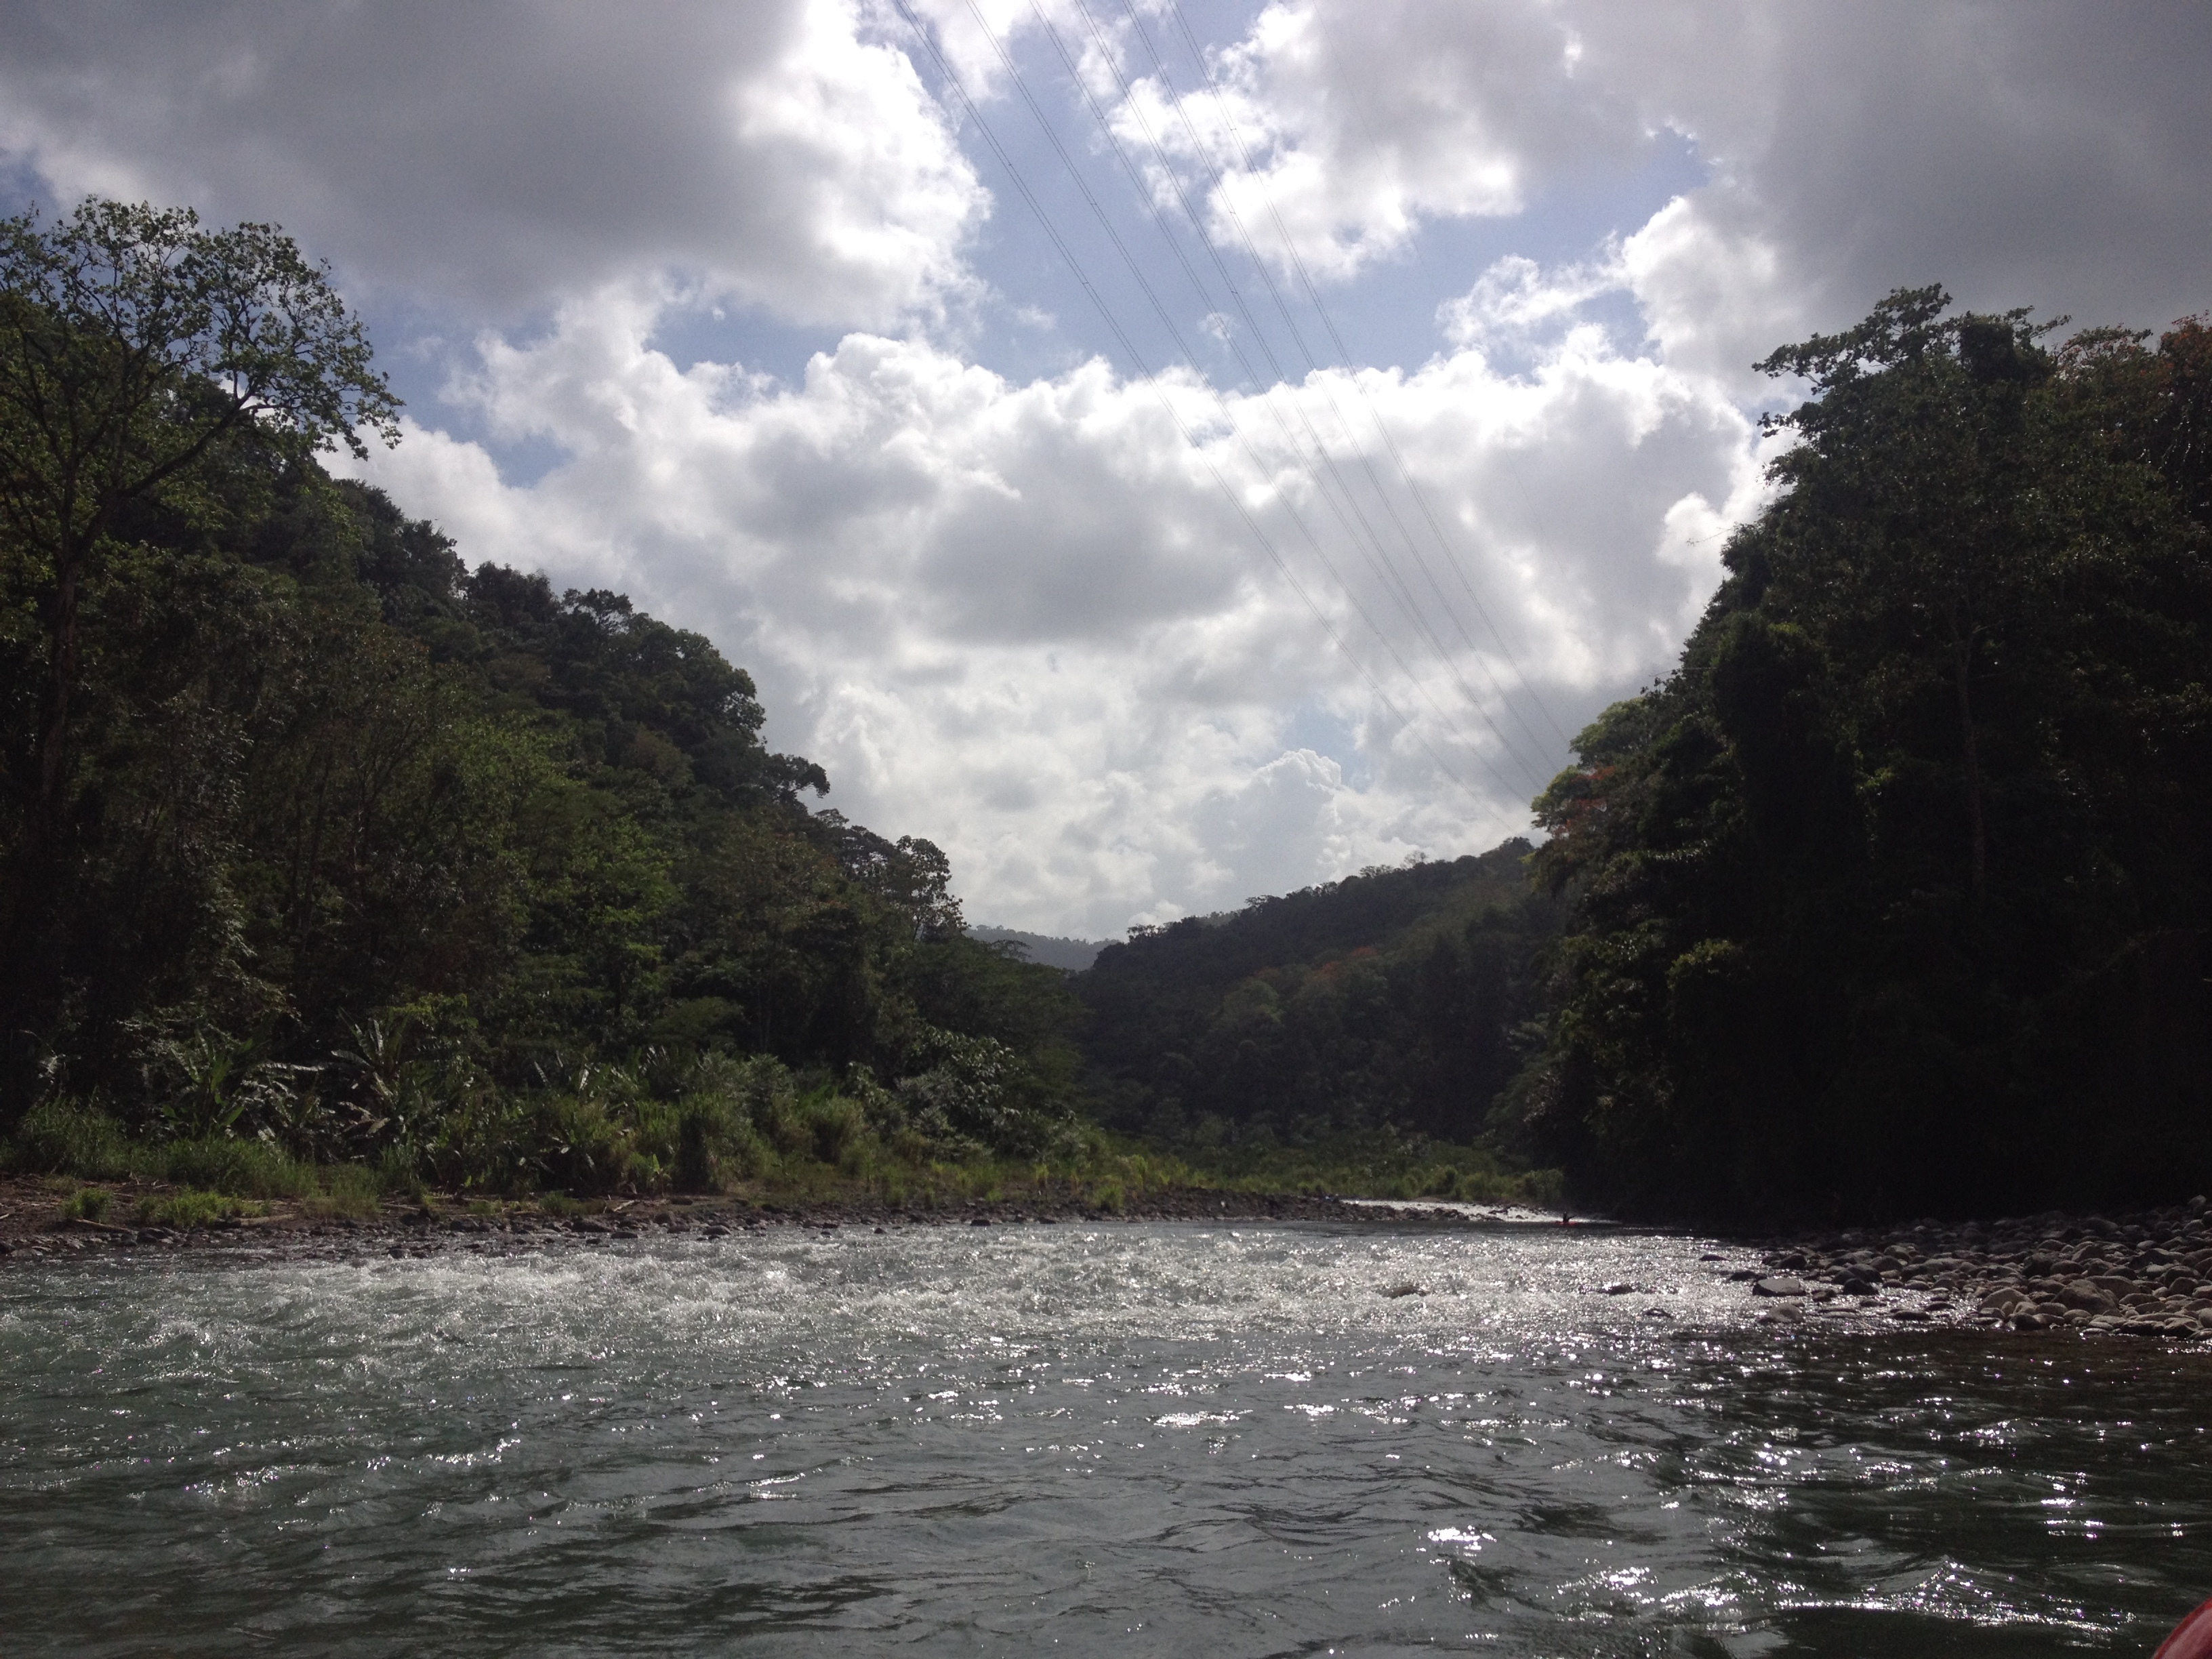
<point x="1092" y="1438"/>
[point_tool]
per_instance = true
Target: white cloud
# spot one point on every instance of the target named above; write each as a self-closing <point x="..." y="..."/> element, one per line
<point x="1517" y="301"/>
<point x="509" y="156"/>
<point x="2047" y="154"/>
<point x="1023" y="619"/>
<point x="1335" y="131"/>
<point x="1017" y="615"/>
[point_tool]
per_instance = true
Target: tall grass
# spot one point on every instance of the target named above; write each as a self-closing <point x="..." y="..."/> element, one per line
<point x="60" y="1138"/>
<point x="1376" y="1164"/>
<point x="730" y="1125"/>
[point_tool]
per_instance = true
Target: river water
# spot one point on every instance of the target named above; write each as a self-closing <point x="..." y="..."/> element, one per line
<point x="1114" y="1438"/>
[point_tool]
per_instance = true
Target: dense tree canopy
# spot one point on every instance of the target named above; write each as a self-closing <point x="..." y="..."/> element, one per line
<point x="354" y="846"/>
<point x="132" y="345"/>
<point x="1893" y="895"/>
<point x="1396" y="1000"/>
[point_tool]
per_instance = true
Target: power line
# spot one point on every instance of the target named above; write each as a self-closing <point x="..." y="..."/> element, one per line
<point x="1175" y="333"/>
<point x="1535" y="773"/>
<point x="1114" y="326"/>
<point x="1344" y="355"/>
<point x="1362" y="533"/>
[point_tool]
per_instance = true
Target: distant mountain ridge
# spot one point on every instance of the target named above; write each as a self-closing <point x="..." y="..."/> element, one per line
<point x="1050" y="948"/>
<point x="1399" y="998"/>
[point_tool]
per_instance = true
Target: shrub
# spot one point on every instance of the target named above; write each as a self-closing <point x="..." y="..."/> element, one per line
<point x="194" y="1209"/>
<point x="87" y="1204"/>
<point x="348" y="1189"/>
<point x="785" y="1124"/>
<point x="58" y="1137"/>
<point x="485" y="1142"/>
<point x="581" y="1148"/>
<point x="238" y="1169"/>
<point x="696" y="1135"/>
<point x="714" y="1140"/>
<point x="399" y="1173"/>
<point x="837" y="1130"/>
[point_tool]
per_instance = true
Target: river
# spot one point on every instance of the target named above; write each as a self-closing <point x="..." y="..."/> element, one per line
<point x="1080" y="1439"/>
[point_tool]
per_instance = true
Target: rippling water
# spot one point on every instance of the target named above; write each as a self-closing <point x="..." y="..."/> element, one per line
<point x="1124" y="1439"/>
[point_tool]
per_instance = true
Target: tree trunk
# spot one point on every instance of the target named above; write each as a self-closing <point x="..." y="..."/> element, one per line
<point x="27" y="886"/>
<point x="61" y="683"/>
<point x="1978" y="864"/>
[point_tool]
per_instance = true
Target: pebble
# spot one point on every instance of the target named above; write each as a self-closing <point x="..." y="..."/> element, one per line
<point x="2148" y="1274"/>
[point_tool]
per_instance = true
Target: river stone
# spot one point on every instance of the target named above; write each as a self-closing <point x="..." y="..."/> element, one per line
<point x="1781" y="1284"/>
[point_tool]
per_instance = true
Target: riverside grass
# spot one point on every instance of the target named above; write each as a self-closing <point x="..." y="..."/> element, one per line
<point x="819" y="1151"/>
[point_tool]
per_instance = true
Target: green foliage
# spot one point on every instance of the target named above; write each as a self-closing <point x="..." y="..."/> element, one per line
<point x="1394" y="1000"/>
<point x="1891" y="899"/>
<point x="195" y="1209"/>
<point x="146" y="366"/>
<point x="62" y="1138"/>
<point x="313" y="837"/>
<point x="1385" y="1162"/>
<point x="87" y="1204"/>
<point x="237" y="1169"/>
<point x="347" y="1190"/>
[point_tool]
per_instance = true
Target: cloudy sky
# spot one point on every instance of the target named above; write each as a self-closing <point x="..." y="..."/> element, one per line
<point x="1164" y="452"/>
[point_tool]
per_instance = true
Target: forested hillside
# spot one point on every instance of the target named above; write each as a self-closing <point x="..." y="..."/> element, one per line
<point x="1891" y="898"/>
<point x="1397" y="999"/>
<point x="314" y="834"/>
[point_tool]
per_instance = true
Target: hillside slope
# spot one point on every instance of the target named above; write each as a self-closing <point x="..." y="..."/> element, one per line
<point x="1392" y="999"/>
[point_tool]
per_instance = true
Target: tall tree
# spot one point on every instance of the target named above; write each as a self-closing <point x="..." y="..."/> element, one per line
<point x="1895" y="894"/>
<point x="133" y="344"/>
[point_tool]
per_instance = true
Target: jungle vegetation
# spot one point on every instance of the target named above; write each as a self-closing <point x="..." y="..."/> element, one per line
<point x="314" y="837"/>
<point x="1347" y="1034"/>
<point x="1891" y="898"/>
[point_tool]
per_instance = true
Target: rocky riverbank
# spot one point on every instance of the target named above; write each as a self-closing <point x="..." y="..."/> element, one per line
<point x="36" y="1225"/>
<point x="2148" y="1274"/>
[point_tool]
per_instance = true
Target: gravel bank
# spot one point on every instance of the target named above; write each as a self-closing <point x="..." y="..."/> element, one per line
<point x="35" y="1230"/>
<point x="2148" y="1274"/>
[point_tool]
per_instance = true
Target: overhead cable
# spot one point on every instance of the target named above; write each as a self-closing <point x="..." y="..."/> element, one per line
<point x="1175" y="416"/>
<point x="1167" y="320"/>
<point x="1347" y="511"/>
<point x="1344" y="356"/>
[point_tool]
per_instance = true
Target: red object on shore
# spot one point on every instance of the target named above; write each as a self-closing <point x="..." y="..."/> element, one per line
<point x="2192" y="1637"/>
